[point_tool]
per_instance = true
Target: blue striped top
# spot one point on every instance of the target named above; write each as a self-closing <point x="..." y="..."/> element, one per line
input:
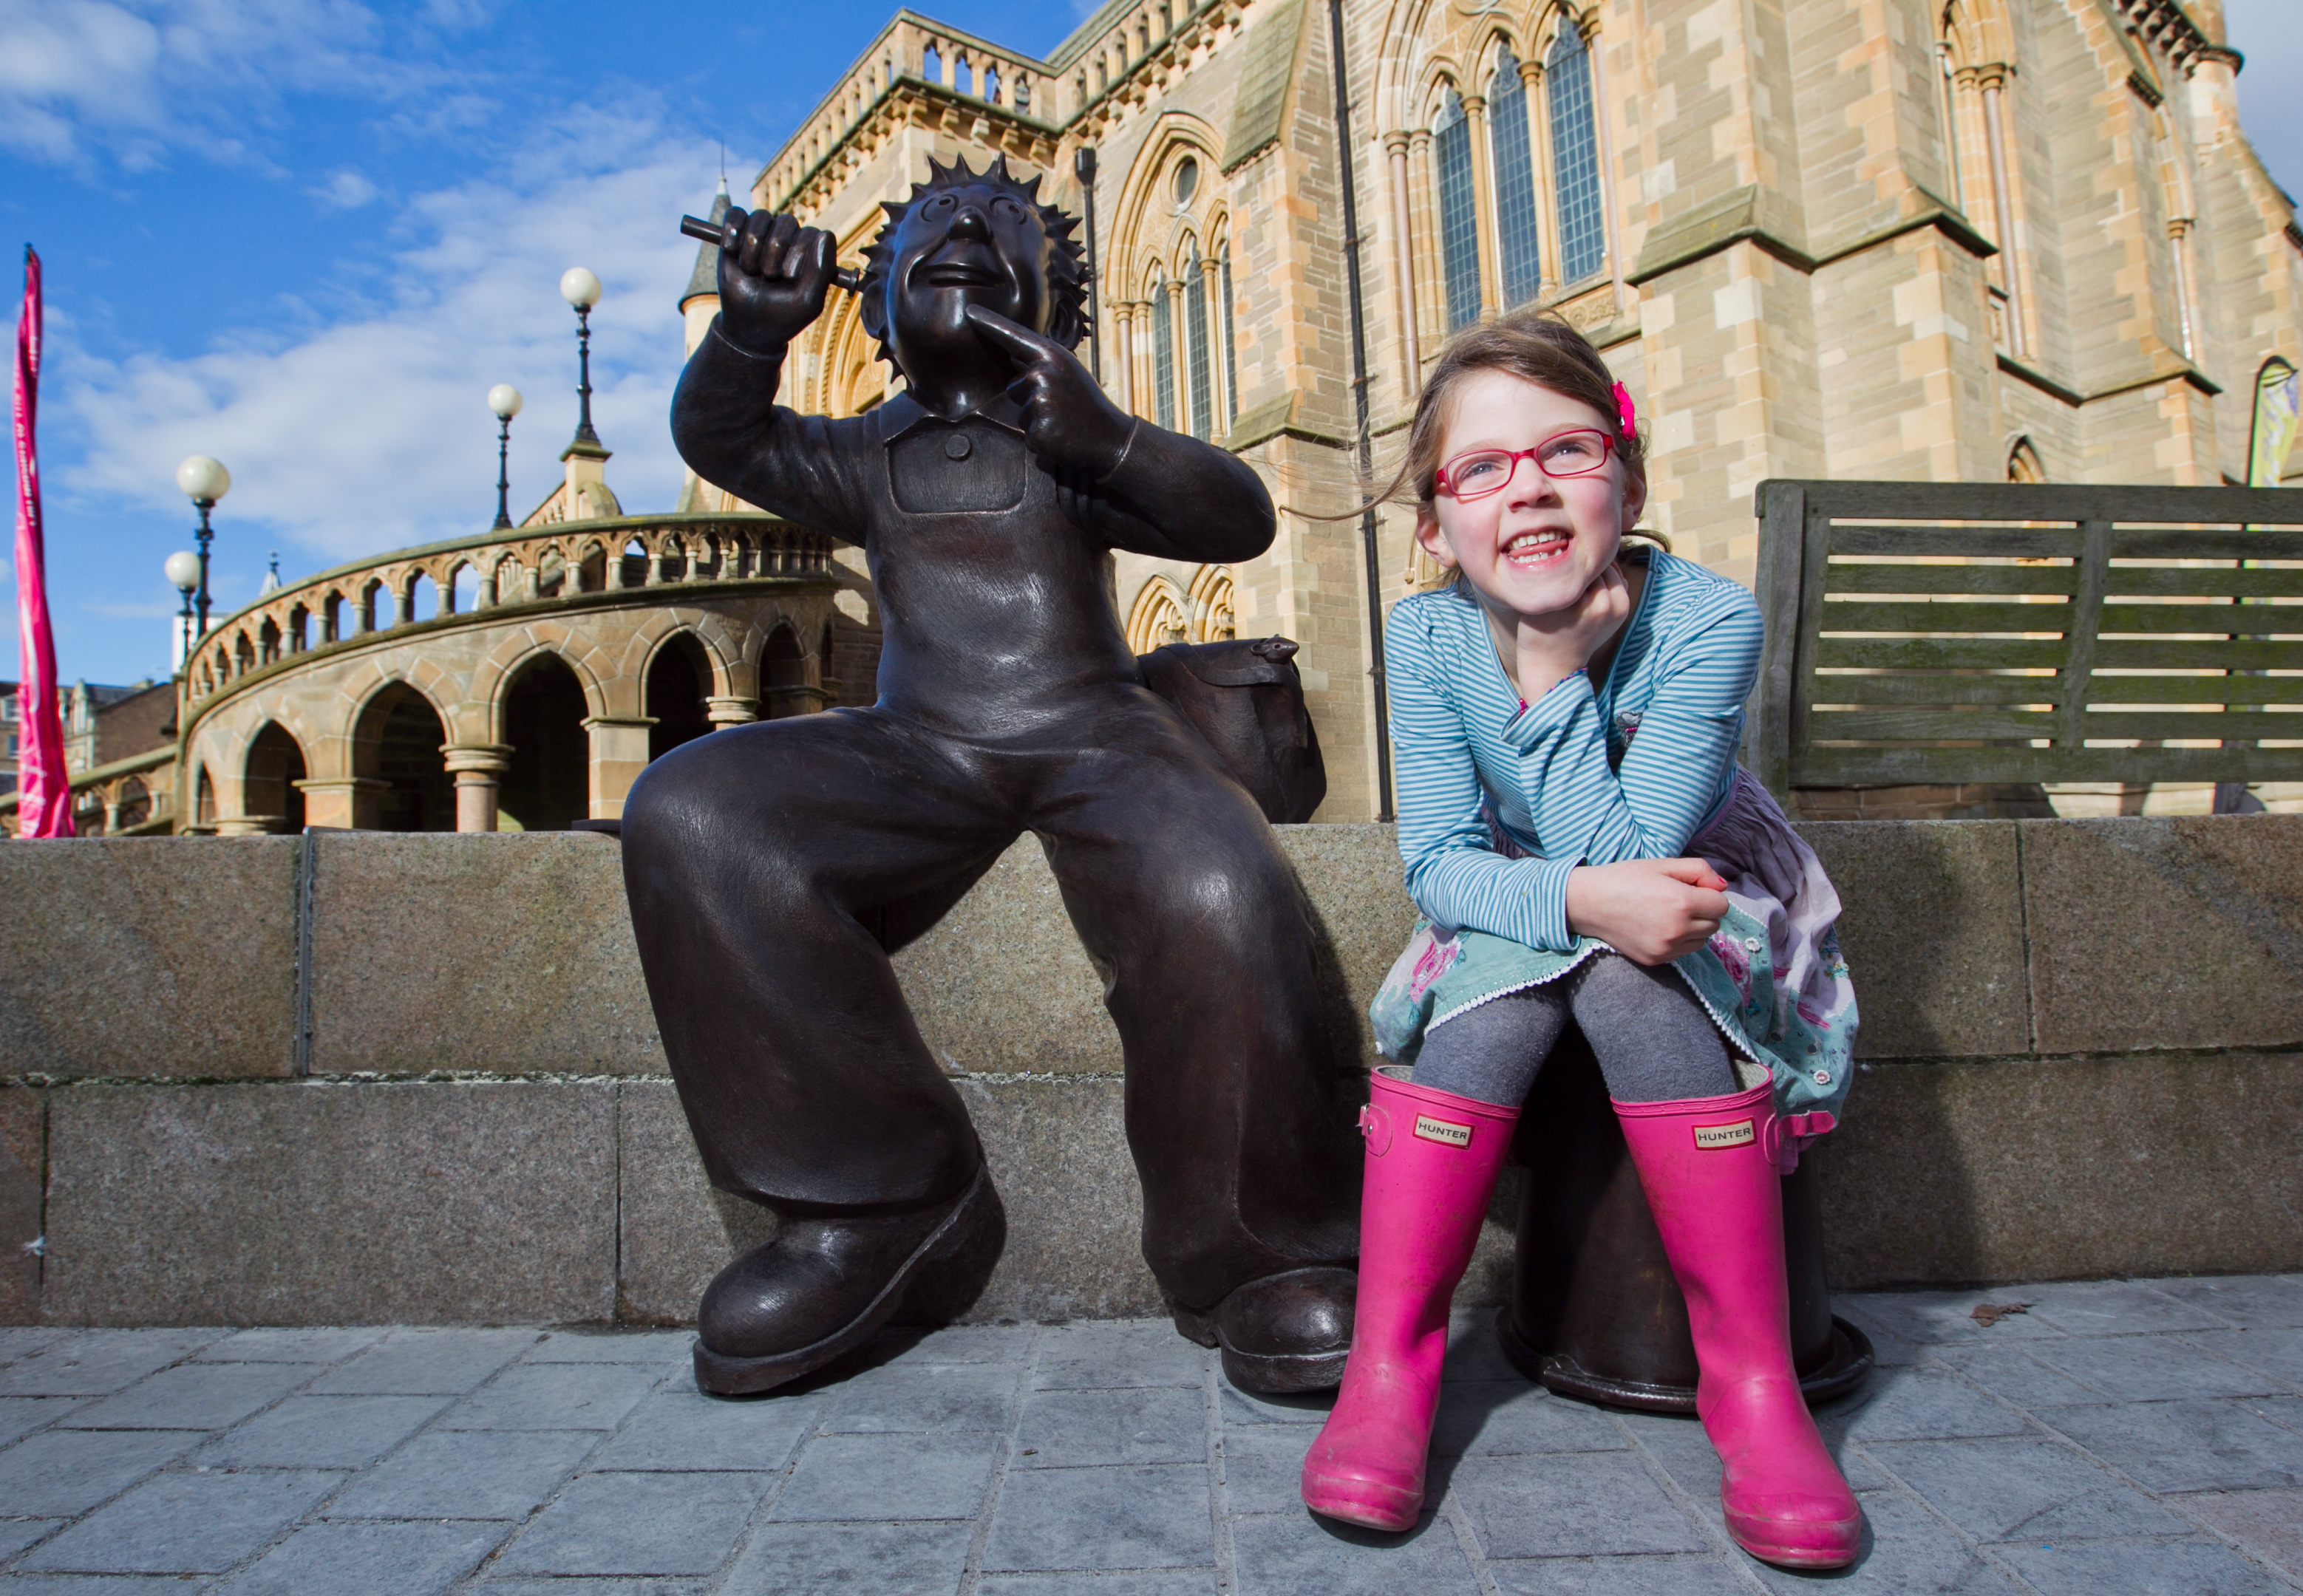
<point x="1566" y="776"/>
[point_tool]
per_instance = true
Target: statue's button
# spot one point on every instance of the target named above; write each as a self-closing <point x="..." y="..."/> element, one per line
<point x="957" y="447"/>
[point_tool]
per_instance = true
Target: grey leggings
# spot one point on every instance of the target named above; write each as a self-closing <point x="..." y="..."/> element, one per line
<point x="1654" y="1042"/>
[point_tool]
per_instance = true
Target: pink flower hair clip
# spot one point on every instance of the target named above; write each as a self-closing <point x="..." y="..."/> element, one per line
<point x="1625" y="414"/>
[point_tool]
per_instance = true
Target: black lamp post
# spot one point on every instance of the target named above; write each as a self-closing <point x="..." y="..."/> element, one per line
<point x="504" y="400"/>
<point x="204" y="482"/>
<point x="581" y="289"/>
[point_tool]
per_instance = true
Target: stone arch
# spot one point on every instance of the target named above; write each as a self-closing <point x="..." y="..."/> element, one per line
<point x="546" y="784"/>
<point x="677" y="688"/>
<point x="507" y="659"/>
<point x="1214" y="605"/>
<point x="1161" y="614"/>
<point x="2023" y="462"/>
<point x="273" y="765"/>
<point x="399" y="739"/>
<point x="1147" y="221"/>
<point x="782" y="672"/>
<point x="591" y="567"/>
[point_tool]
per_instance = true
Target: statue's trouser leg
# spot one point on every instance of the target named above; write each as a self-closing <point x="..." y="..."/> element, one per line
<point x="758" y="862"/>
<point x="1238" y="1109"/>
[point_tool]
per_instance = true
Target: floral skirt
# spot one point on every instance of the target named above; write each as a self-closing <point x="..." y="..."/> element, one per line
<point x="1771" y="978"/>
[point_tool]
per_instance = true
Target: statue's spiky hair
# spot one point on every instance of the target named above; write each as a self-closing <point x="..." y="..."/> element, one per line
<point x="1066" y="261"/>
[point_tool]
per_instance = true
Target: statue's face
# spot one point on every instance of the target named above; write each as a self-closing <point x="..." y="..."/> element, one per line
<point x="956" y="248"/>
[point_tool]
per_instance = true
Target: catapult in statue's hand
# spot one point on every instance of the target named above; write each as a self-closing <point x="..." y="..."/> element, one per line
<point x="1067" y="420"/>
<point x="773" y="279"/>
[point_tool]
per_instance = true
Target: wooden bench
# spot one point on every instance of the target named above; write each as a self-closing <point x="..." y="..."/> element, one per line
<point x="1943" y="633"/>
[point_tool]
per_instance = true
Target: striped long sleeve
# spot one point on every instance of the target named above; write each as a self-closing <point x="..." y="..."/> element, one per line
<point x="1465" y="748"/>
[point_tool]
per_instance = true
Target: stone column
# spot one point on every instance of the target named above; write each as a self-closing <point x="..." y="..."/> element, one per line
<point x="620" y="752"/>
<point x="343" y="803"/>
<point x="1122" y="319"/>
<point x="1991" y="80"/>
<point x="247" y="825"/>
<point x="1419" y="156"/>
<point x="478" y="769"/>
<point x="1483" y="204"/>
<point x="1394" y="149"/>
<point x="731" y="711"/>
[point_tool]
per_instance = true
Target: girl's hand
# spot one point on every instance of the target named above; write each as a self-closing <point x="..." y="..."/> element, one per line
<point x="1554" y="647"/>
<point x="1651" y="910"/>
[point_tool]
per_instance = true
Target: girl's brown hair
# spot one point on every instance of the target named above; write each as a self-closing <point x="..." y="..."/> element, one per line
<point x="1535" y="348"/>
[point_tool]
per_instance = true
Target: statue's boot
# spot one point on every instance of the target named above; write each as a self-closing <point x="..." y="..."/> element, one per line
<point x="1709" y="1167"/>
<point x="827" y="1284"/>
<point x="1432" y="1158"/>
<point x="1284" y="1333"/>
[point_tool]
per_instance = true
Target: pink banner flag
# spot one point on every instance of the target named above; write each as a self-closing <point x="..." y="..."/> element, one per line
<point x="44" y="807"/>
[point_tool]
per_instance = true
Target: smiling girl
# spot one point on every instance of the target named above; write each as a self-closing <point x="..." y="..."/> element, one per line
<point x="1582" y="847"/>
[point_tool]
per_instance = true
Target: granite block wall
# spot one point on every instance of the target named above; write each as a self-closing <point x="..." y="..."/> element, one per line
<point x="2081" y="1056"/>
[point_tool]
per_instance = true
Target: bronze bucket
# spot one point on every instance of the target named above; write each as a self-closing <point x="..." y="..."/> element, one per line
<point x="1594" y="1310"/>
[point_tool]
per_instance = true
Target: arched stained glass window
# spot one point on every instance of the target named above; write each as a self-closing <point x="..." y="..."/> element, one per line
<point x="1518" y="232"/>
<point x="1195" y="343"/>
<point x="1231" y="355"/>
<point x="1576" y="159"/>
<point x="1459" y="216"/>
<point x="1163" y="353"/>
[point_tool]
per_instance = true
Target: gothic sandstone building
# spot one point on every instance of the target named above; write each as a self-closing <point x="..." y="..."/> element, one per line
<point x="1989" y="240"/>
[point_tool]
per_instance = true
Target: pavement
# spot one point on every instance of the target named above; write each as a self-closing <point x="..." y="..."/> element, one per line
<point x="2141" y="1436"/>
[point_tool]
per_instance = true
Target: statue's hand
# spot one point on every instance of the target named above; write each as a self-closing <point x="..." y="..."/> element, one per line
<point x="1067" y="420"/>
<point x="772" y="281"/>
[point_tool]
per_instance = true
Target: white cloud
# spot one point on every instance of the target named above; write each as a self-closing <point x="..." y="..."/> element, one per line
<point x="346" y="190"/>
<point x="132" y="78"/>
<point x="372" y="433"/>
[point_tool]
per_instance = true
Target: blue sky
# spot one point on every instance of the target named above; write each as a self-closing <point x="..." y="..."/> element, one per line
<point x="306" y="236"/>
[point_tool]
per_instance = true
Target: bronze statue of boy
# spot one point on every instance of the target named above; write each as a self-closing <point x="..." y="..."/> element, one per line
<point x="773" y="867"/>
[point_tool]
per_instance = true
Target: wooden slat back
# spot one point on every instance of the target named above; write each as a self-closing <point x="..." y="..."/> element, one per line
<point x="1947" y="633"/>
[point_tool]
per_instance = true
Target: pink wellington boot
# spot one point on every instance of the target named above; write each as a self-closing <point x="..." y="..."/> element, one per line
<point x="1432" y="1158"/>
<point x="1709" y="1165"/>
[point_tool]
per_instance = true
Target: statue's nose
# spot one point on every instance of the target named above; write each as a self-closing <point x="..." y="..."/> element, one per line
<point x="971" y="224"/>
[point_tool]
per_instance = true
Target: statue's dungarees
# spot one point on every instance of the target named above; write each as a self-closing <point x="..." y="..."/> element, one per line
<point x="774" y="867"/>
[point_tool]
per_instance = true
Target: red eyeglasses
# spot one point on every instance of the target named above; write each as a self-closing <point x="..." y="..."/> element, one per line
<point x="1479" y="471"/>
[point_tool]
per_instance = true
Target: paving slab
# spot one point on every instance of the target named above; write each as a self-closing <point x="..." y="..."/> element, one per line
<point x="820" y="1559"/>
<point x="566" y="1397"/>
<point x="1618" y="1576"/>
<point x="636" y="1524"/>
<point x="98" y="1362"/>
<point x="368" y="1559"/>
<point x="322" y="1344"/>
<point x="664" y="1347"/>
<point x="1097" y="1518"/>
<point x="323" y="1433"/>
<point x="889" y="1478"/>
<point x="914" y="1398"/>
<point x="2023" y="1489"/>
<point x="2068" y="1449"/>
<point x="2154" y="1369"/>
<point x="1583" y="1504"/>
<point x="2250" y="1301"/>
<point x="676" y="1427"/>
<point x="70" y="1470"/>
<point x="2266" y="1525"/>
<point x="2189" y="1446"/>
<point x="2118" y="1308"/>
<point x="2277" y="1352"/>
<point x="1079" y="1429"/>
<point x="2149" y="1568"/>
<point x="20" y="1416"/>
<point x="1128" y="1352"/>
<point x="426" y="1363"/>
<point x="465" y="1474"/>
<point x="185" y="1524"/>
<point x="1290" y="1554"/>
<point x="194" y="1397"/>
